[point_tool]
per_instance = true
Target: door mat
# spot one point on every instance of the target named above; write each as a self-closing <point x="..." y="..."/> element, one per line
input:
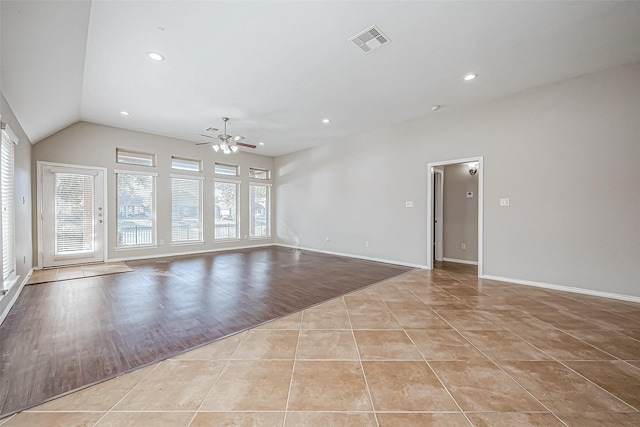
<point x="77" y="272"/>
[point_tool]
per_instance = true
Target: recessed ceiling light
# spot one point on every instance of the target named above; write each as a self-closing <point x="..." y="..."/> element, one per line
<point x="470" y="76"/>
<point x="124" y="113"/>
<point x="260" y="143"/>
<point x="435" y="107"/>
<point x="155" y="56"/>
<point x="326" y="121"/>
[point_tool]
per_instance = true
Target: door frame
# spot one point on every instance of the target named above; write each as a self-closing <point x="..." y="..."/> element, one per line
<point x="39" y="207"/>
<point x="438" y="194"/>
<point x="430" y="217"/>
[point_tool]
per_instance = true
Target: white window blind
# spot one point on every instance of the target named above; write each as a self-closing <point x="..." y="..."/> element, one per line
<point x="190" y="165"/>
<point x="222" y="169"/>
<point x="259" y="218"/>
<point x="135" y="158"/>
<point x="7" y="198"/>
<point x="136" y="212"/>
<point x="74" y="213"/>
<point x="226" y="210"/>
<point x="186" y="209"/>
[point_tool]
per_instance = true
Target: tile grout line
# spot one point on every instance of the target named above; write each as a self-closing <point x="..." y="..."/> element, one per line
<point x="226" y="363"/>
<point x="490" y="360"/>
<point x="125" y="395"/>
<point x="427" y="363"/>
<point x="293" y="368"/>
<point x="561" y="362"/>
<point x="364" y="376"/>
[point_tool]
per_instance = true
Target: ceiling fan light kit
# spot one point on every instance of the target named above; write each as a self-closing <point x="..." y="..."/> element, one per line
<point x="226" y="143"/>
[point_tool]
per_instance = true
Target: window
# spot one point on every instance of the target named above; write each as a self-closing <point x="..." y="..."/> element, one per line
<point x="222" y="169"/>
<point x="135" y="158"/>
<point x="7" y="196"/>
<point x="136" y="209"/>
<point x="260" y="211"/>
<point x="74" y="213"/>
<point x="186" y="209"/>
<point x="258" y="173"/>
<point x="226" y="210"/>
<point x="183" y="164"/>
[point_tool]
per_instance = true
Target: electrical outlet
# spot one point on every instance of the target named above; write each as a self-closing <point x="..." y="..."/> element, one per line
<point x="366" y="244"/>
<point x="463" y="245"/>
<point x="504" y="202"/>
<point x="162" y="241"/>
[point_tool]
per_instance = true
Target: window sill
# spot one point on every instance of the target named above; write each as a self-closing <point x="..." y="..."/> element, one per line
<point x="132" y="247"/>
<point x="192" y="243"/>
<point x="260" y="238"/>
<point x="226" y="240"/>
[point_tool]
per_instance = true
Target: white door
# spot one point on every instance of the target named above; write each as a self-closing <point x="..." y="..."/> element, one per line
<point x="73" y="215"/>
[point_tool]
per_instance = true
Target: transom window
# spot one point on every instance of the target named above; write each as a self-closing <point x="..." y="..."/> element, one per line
<point x="256" y="173"/>
<point x="135" y="158"/>
<point x="180" y="163"/>
<point x="222" y="169"/>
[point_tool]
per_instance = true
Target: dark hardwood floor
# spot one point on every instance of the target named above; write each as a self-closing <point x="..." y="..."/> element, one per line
<point x="65" y="335"/>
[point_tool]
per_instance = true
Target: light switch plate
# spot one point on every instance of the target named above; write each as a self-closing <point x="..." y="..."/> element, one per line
<point x="469" y="194"/>
<point x="408" y="204"/>
<point x="504" y="202"/>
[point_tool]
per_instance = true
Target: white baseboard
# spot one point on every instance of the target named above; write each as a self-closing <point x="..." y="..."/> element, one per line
<point x="564" y="288"/>
<point x="15" y="296"/>
<point x="460" y="261"/>
<point x="203" y="251"/>
<point x="366" y="258"/>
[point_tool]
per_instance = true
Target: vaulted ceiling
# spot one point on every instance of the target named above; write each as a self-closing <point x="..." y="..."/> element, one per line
<point x="278" y="68"/>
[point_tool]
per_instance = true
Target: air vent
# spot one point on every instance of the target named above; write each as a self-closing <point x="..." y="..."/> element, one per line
<point x="370" y="39"/>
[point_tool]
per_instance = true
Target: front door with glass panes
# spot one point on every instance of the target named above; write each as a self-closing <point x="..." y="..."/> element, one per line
<point x="73" y="215"/>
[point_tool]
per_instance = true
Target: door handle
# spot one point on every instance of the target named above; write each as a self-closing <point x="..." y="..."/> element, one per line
<point x="99" y="221"/>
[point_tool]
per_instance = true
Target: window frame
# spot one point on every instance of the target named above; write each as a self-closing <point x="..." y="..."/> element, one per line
<point x="238" y="184"/>
<point x="268" y="211"/>
<point x="200" y="180"/>
<point x="8" y="142"/>
<point x="154" y="219"/>
<point x="236" y="167"/>
<point x="266" y="171"/>
<point x="152" y="157"/>
<point x="186" y="159"/>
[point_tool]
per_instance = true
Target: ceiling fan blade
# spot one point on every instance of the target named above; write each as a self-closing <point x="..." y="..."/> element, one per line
<point x="205" y="135"/>
<point x="238" y="138"/>
<point x="244" y="144"/>
<point x="203" y="143"/>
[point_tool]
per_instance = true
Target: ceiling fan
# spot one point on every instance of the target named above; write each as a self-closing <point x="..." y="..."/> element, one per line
<point x="225" y="142"/>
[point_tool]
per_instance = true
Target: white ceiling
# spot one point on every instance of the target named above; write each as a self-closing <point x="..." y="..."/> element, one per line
<point x="278" y="68"/>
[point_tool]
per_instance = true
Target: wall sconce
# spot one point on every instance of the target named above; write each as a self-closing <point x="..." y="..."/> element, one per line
<point x="473" y="168"/>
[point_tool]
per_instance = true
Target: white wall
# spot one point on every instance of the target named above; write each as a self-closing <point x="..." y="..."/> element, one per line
<point x="22" y="202"/>
<point x="566" y="154"/>
<point x="460" y="213"/>
<point x="95" y="145"/>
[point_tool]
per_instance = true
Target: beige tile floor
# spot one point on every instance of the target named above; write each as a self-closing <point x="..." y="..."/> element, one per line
<point x="425" y="348"/>
<point x="77" y="272"/>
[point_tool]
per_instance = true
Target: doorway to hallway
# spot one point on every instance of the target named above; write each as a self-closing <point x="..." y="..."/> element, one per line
<point x="461" y="245"/>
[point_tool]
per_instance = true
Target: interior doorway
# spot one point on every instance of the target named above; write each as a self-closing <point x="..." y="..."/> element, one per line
<point x="435" y="216"/>
<point x="72" y="219"/>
